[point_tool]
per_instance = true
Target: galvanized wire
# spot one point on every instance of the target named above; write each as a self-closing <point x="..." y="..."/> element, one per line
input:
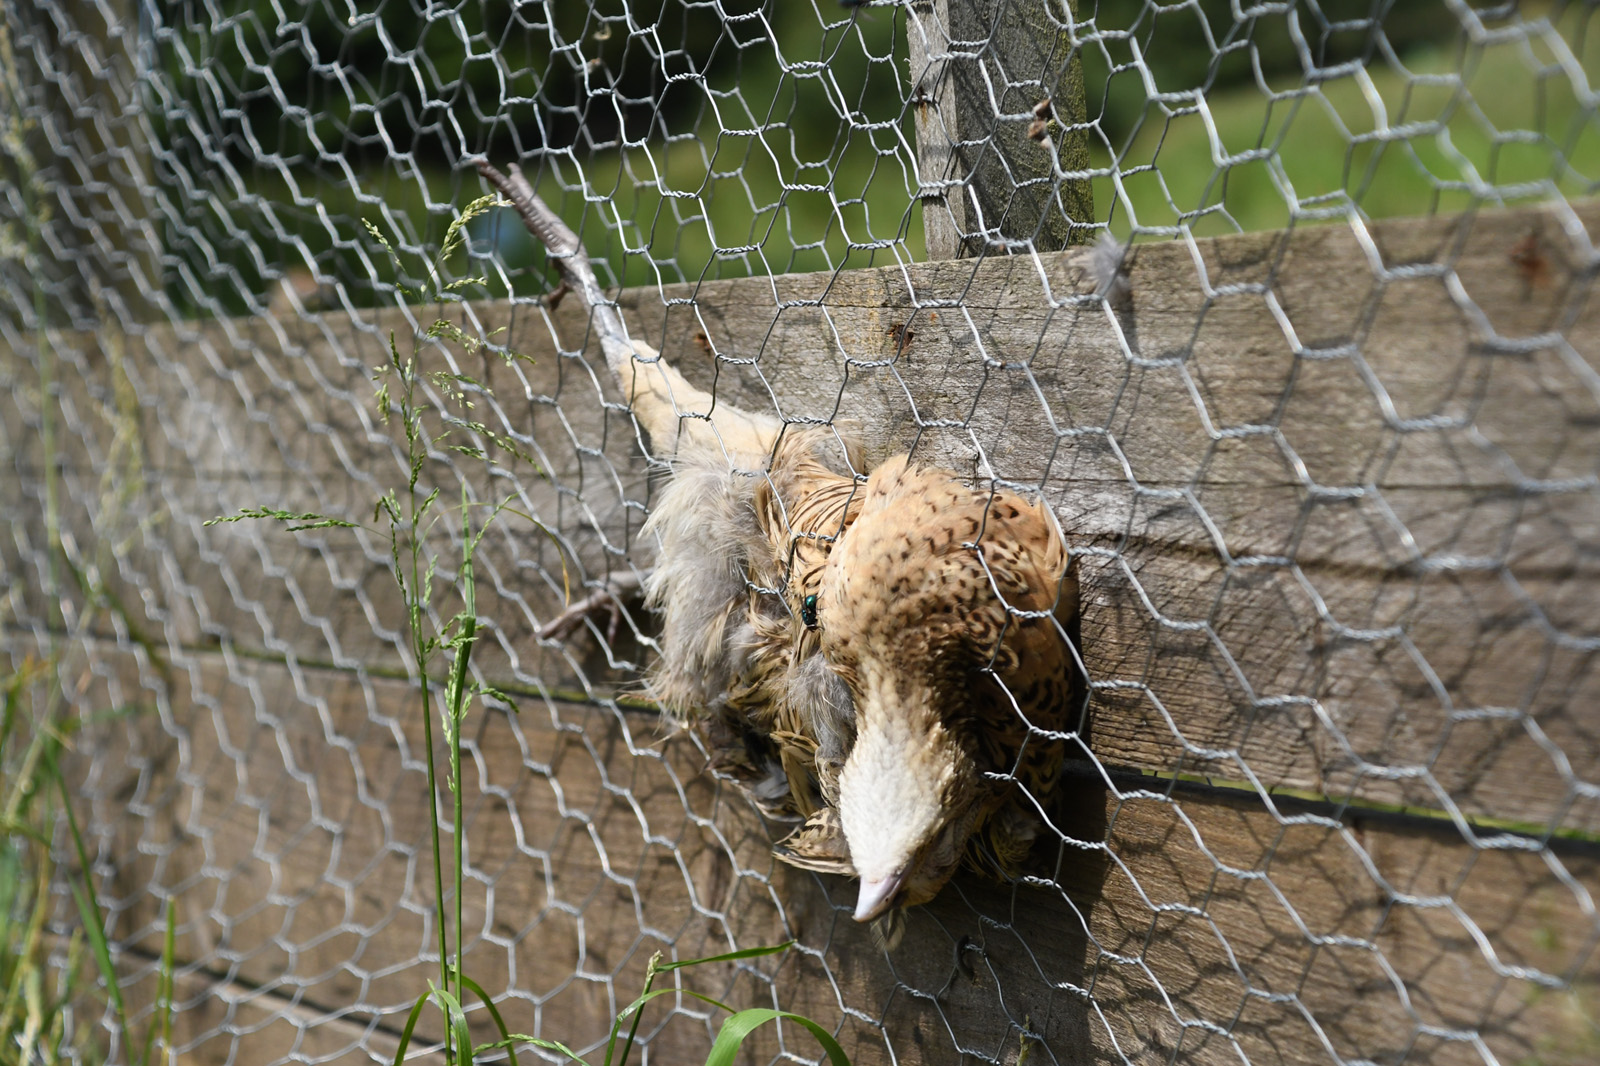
<point x="190" y="309"/>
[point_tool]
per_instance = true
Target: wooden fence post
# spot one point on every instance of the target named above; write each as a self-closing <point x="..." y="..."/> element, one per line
<point x="998" y="98"/>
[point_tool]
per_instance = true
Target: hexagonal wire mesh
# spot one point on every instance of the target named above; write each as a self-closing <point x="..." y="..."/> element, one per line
<point x="1332" y="486"/>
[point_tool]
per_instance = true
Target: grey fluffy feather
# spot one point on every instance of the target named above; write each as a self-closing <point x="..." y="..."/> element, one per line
<point x="825" y="699"/>
<point x="1105" y="267"/>
<point x="705" y="526"/>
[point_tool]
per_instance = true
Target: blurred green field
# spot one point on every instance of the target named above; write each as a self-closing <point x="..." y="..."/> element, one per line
<point x="791" y="152"/>
<point x="1466" y="127"/>
<point x="1444" y="128"/>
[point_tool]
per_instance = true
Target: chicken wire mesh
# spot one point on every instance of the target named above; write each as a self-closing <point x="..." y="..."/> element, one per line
<point x="1332" y="489"/>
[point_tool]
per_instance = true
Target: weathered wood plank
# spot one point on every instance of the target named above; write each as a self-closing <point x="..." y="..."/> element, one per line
<point x="1242" y="411"/>
<point x="235" y="414"/>
<point x="591" y="841"/>
<point x="286" y="811"/>
<point x="999" y="107"/>
<point x="218" y="1023"/>
<point x="1335" y="496"/>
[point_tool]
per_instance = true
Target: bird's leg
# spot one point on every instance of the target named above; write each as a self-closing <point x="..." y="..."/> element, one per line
<point x="554" y="299"/>
<point x="609" y="598"/>
<point x="659" y="397"/>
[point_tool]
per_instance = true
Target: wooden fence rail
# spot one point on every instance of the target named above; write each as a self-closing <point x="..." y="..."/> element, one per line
<point x="1333" y="491"/>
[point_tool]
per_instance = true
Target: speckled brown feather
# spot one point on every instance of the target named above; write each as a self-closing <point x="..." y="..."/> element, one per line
<point x="818" y="845"/>
<point x="945" y="609"/>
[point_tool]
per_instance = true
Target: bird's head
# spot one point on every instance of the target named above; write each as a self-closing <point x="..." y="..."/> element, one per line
<point x="913" y="612"/>
<point x="908" y="797"/>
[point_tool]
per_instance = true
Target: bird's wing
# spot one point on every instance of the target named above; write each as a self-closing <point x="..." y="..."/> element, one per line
<point x="803" y="507"/>
<point x="818" y="845"/>
<point x="675" y="414"/>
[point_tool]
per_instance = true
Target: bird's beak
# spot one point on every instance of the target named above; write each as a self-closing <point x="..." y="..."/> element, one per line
<point x="876" y="896"/>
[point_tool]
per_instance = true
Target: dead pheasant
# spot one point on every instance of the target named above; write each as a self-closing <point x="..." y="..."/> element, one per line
<point x="888" y="659"/>
<point x="947" y="610"/>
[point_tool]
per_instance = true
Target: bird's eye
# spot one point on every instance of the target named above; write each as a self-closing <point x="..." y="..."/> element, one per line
<point x="808" y="611"/>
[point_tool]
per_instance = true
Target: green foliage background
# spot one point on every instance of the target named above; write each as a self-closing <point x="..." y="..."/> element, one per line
<point x="689" y="145"/>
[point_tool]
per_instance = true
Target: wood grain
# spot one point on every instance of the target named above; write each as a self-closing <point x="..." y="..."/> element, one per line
<point x="216" y="1023"/>
<point x="1334" y="493"/>
<point x="285" y="811"/>
<point x="1337" y="500"/>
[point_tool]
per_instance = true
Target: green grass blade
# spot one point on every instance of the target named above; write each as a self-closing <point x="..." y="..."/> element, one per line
<point x="631" y="1008"/>
<point x="27" y="953"/>
<point x="13" y="704"/>
<point x="703" y="998"/>
<point x="732" y="956"/>
<point x="11" y="887"/>
<point x="89" y="913"/>
<point x="729" y="1039"/>
<point x="21" y="829"/>
<point x="88" y="900"/>
<point x="524" y="1038"/>
<point x="494" y="1012"/>
<point x="456" y="1018"/>
<point x="456" y="697"/>
<point x="163" y="1016"/>
<point x="636" y="1008"/>
<point x="411" y="1025"/>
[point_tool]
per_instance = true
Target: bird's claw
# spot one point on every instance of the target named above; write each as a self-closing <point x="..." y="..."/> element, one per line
<point x="608" y="598"/>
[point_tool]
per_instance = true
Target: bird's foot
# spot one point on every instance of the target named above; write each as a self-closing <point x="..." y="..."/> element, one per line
<point x="605" y="601"/>
<point x="888" y="929"/>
